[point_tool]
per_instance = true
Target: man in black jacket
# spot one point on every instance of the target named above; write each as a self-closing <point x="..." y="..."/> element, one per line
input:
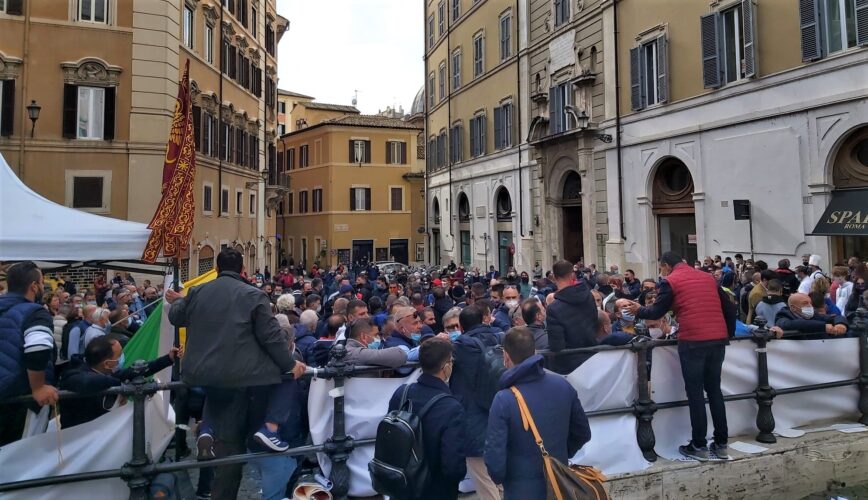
<point x="100" y="370"/>
<point x="443" y="427"/>
<point x="234" y="345"/>
<point x="571" y="318"/>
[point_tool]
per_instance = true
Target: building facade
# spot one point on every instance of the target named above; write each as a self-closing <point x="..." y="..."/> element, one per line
<point x="106" y="73"/>
<point x="737" y="100"/>
<point x="286" y="101"/>
<point x="352" y="183"/>
<point x="476" y="114"/>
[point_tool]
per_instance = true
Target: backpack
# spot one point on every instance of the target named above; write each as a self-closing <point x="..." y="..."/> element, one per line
<point x="488" y="374"/>
<point x="398" y="469"/>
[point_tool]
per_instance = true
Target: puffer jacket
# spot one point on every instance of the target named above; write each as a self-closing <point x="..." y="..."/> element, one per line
<point x="14" y="312"/>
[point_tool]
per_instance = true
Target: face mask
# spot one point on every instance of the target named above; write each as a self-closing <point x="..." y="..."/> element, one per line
<point x="417" y="337"/>
<point x="454" y="336"/>
<point x="808" y="312"/>
<point x="511" y="303"/>
<point x="626" y="316"/>
<point x="525" y="280"/>
<point x="375" y="344"/>
<point x="120" y="364"/>
<point x="91" y="302"/>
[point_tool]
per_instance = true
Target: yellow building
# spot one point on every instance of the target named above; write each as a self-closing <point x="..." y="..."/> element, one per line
<point x="352" y="183"/>
<point x="105" y="74"/>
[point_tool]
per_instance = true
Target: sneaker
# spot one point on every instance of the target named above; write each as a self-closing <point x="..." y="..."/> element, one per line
<point x="721" y="451"/>
<point x="205" y="444"/>
<point x="693" y="452"/>
<point x="270" y="440"/>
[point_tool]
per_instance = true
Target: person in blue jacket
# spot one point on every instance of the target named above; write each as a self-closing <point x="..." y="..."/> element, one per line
<point x="512" y="456"/>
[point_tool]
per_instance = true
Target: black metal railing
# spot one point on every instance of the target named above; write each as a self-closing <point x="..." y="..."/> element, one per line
<point x="140" y="470"/>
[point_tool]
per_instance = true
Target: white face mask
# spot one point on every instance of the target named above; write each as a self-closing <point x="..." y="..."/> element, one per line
<point x="511" y="303"/>
<point x="808" y="312"/>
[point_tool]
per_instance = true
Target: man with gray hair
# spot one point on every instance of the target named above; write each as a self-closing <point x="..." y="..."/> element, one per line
<point x="362" y="343"/>
<point x="99" y="325"/>
<point x="75" y="343"/>
<point x="285" y="304"/>
<point x="305" y="332"/>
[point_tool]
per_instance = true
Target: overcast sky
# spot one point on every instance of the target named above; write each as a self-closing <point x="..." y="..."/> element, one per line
<point x="335" y="47"/>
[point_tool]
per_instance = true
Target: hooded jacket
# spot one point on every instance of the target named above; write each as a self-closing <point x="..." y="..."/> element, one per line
<point x="571" y="322"/>
<point x="304" y="339"/>
<point x="511" y="455"/>
<point x="768" y="308"/>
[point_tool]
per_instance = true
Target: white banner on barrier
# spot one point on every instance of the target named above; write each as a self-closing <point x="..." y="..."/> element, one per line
<point x="101" y="444"/>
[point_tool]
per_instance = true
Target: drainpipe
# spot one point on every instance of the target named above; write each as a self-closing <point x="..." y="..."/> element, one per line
<point x="25" y="73"/>
<point x="618" y="126"/>
<point x="518" y="114"/>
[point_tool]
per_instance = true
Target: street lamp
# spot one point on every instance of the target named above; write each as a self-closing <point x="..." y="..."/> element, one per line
<point x="33" y="110"/>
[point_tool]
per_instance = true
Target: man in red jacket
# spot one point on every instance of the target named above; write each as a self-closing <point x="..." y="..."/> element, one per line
<point x="702" y="339"/>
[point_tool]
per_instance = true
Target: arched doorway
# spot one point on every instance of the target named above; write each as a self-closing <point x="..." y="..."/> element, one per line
<point x="571" y="203"/>
<point x="672" y="203"/>
<point x="464" y="237"/>
<point x="435" y="233"/>
<point x="505" y="244"/>
<point x="206" y="260"/>
<point x="850" y="180"/>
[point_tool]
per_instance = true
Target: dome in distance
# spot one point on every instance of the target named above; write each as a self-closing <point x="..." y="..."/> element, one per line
<point x="418" y="103"/>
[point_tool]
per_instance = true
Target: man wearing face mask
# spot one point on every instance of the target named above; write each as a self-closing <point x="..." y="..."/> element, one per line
<point x="408" y="329"/>
<point x="99" y="325"/>
<point x="451" y="324"/>
<point x="100" y="369"/>
<point x="443" y="424"/>
<point x="800" y="316"/>
<point x="363" y="347"/>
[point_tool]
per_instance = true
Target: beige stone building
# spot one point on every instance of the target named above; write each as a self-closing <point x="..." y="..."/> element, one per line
<point x="106" y="72"/>
<point x="355" y="191"/>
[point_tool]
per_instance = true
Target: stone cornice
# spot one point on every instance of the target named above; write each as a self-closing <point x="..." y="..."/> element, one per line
<point x="10" y="67"/>
<point x="91" y="71"/>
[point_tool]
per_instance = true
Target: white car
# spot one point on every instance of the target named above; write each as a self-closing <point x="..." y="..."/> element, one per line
<point x="390" y="268"/>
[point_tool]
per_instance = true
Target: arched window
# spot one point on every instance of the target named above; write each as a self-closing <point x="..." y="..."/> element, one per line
<point x="572" y="187"/>
<point x="504" y="205"/>
<point x="463" y="208"/>
<point x="436" y="210"/>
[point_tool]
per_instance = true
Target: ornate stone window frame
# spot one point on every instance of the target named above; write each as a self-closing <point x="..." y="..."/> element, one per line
<point x="211" y="14"/>
<point x="91" y="71"/>
<point x="10" y="67"/>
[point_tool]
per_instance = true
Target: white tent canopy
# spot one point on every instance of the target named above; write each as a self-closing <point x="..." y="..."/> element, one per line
<point x="34" y="228"/>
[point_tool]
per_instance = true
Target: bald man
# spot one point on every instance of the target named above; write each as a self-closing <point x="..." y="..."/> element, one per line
<point x="800" y="316"/>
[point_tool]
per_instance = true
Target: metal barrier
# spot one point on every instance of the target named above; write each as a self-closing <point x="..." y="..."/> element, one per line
<point x="140" y="470"/>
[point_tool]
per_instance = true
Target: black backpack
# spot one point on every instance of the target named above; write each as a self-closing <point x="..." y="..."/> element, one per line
<point x="398" y="468"/>
<point x="488" y="373"/>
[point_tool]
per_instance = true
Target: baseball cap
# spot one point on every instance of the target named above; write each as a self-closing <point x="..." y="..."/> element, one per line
<point x="346" y="289"/>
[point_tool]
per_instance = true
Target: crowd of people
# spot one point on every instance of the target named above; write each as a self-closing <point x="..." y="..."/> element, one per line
<point x="246" y="331"/>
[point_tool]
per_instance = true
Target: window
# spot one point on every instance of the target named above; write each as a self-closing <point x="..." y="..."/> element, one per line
<point x="648" y="78"/>
<point x="456" y="70"/>
<point x="302" y="202"/>
<point x="441" y="149"/>
<point x="728" y="51"/>
<point x="93" y="11"/>
<point x="455" y="144"/>
<point x="303" y="156"/>
<point x="431" y="31"/>
<point x="289" y="204"/>
<point x="456" y="10"/>
<point x="209" y="43"/>
<point x="290" y="159"/>
<point x="396" y="153"/>
<point x="442" y="87"/>
<point x="224" y="201"/>
<point x="91" y="113"/>
<point x="360" y="199"/>
<point x="441" y="18"/>
<point x="12" y="7"/>
<point x="562" y="12"/>
<point x="253" y="24"/>
<point x="281" y="107"/>
<point x="431" y="154"/>
<point x="269" y="38"/>
<point x="463" y="208"/>
<point x="239" y="197"/>
<point x="87" y="192"/>
<point x="829" y="26"/>
<point x="317" y="200"/>
<point x="188" y="27"/>
<point x="360" y="151"/>
<point x="478" y="55"/>
<point x="431" y="96"/>
<point x="7" y="106"/>
<point x="396" y="199"/>
<point x="503" y="126"/>
<point x="225" y="136"/>
<point x="505" y="37"/>
<point x="465" y="248"/>
<point x="252" y="203"/>
<point x="560" y="96"/>
<point x="477" y="136"/>
<point x="206" y="198"/>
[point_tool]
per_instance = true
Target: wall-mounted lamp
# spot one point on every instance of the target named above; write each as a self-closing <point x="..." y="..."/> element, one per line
<point x="33" y="110"/>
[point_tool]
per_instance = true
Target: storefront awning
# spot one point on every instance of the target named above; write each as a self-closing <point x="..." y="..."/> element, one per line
<point x="846" y="215"/>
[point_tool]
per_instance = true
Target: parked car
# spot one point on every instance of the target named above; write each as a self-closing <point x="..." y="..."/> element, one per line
<point x="391" y="268"/>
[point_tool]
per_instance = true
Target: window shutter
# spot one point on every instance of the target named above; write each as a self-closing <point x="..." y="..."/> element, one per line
<point x="70" y="110"/>
<point x="748" y="18"/>
<point x="7" y="108"/>
<point x="15" y="7"/>
<point x="473" y="137"/>
<point x="635" y="79"/>
<point x="862" y="22"/>
<point x="403" y="153"/>
<point x="710" y="59"/>
<point x="352" y="152"/>
<point x="352" y="199"/>
<point x="389" y="159"/>
<point x="215" y="134"/>
<point x="367" y="151"/>
<point x="809" y="22"/>
<point x="482" y="139"/>
<point x="553" y="117"/>
<point x="108" y="128"/>
<point x="197" y="124"/>
<point x="498" y="128"/>
<point x="367" y="198"/>
<point x="662" y="69"/>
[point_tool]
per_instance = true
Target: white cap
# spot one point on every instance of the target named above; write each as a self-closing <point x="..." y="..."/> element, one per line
<point x="814" y="260"/>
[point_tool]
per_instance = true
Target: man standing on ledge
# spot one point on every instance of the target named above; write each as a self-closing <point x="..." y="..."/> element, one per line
<point x="702" y="339"/>
<point x="235" y="351"/>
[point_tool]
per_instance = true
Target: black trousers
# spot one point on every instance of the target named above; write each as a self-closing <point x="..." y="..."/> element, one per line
<point x="700" y="367"/>
<point x="12" y="420"/>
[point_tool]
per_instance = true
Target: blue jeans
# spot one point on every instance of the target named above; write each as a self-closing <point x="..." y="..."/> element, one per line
<point x="700" y="367"/>
<point x="275" y="472"/>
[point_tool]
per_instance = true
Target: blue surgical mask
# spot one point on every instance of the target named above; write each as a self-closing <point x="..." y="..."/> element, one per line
<point x="626" y="316"/>
<point x="417" y="337"/>
<point x="454" y="336"/>
<point x="375" y="344"/>
<point x="807" y="312"/>
<point x="120" y="364"/>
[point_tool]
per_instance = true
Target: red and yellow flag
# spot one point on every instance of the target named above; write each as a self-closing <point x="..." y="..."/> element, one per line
<point x="173" y="220"/>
